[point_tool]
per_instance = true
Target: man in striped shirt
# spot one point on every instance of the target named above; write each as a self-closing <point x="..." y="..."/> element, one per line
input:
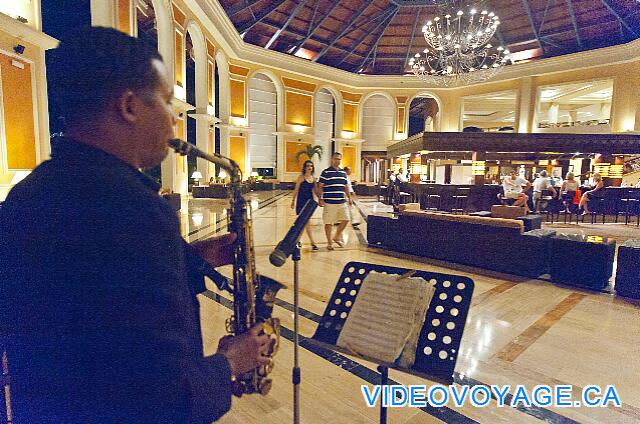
<point x="335" y="195"/>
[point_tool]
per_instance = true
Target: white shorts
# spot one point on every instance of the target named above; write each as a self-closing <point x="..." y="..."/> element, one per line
<point x="512" y="195"/>
<point x="335" y="213"/>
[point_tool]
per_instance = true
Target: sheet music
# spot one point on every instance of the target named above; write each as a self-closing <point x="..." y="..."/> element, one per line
<point x="386" y="318"/>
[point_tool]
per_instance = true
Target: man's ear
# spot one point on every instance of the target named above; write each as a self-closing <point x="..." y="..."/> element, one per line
<point x="128" y="106"/>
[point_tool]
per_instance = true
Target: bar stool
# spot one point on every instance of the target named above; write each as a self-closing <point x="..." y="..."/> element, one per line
<point x="555" y="207"/>
<point x="627" y="206"/>
<point x="568" y="206"/>
<point x="460" y="200"/>
<point x="433" y="202"/>
<point x="382" y="190"/>
<point x="597" y="206"/>
<point x="634" y="210"/>
<point x="405" y="197"/>
<point x="543" y="204"/>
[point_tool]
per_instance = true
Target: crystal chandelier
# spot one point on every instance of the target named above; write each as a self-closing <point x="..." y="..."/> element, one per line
<point x="459" y="51"/>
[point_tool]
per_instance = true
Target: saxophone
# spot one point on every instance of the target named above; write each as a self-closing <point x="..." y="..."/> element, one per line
<point x="253" y="295"/>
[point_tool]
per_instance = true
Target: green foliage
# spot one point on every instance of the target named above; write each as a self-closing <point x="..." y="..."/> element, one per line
<point x="310" y="152"/>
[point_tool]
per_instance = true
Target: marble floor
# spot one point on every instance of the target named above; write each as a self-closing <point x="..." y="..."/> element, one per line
<point x="518" y="331"/>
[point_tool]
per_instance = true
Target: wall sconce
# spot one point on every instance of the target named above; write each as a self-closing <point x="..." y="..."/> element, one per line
<point x="478" y="167"/>
<point x="616" y="171"/>
<point x="298" y="128"/>
<point x="238" y="121"/>
<point x="197" y="219"/>
<point x="347" y="134"/>
<point x="602" y="169"/>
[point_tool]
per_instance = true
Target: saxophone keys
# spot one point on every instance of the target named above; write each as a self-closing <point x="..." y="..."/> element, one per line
<point x="229" y="325"/>
<point x="264" y="386"/>
<point x="269" y="366"/>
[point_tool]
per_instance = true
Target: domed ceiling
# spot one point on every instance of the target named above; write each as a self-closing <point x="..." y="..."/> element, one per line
<point x="379" y="36"/>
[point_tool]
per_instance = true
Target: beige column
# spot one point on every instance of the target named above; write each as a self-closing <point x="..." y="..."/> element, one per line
<point x="103" y="13"/>
<point x="623" y="104"/>
<point x="42" y="123"/>
<point x="554" y="112"/>
<point x="573" y="116"/>
<point x="526" y="107"/>
<point x="605" y="111"/>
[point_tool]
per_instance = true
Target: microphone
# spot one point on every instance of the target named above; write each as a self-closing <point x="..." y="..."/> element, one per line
<point x="285" y="248"/>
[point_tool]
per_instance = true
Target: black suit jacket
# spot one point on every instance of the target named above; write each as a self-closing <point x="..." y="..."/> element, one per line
<point x="98" y="308"/>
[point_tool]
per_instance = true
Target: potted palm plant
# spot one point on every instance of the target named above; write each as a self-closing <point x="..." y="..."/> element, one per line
<point x="310" y="151"/>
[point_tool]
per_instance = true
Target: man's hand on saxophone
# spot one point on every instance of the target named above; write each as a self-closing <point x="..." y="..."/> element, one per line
<point x="218" y="251"/>
<point x="245" y="352"/>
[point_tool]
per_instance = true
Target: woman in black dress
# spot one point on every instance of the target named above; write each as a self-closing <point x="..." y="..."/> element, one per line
<point x="305" y="187"/>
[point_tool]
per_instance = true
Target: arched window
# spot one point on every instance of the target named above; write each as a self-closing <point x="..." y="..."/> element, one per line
<point x="263" y="121"/>
<point x="378" y="113"/>
<point x="324" y="123"/>
<point x="423" y="114"/>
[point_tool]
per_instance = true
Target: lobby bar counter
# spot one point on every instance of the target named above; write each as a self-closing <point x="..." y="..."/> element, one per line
<point x="612" y="201"/>
<point x="480" y="197"/>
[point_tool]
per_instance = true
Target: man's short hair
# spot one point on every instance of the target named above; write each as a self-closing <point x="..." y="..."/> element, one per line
<point x="336" y="154"/>
<point x="94" y="66"/>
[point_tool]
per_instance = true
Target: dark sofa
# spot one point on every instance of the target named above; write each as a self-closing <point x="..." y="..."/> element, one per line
<point x="490" y="243"/>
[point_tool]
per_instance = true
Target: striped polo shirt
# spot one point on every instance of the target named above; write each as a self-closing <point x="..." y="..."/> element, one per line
<point x="334" y="181"/>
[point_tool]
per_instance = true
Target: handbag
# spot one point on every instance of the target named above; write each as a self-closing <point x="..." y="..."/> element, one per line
<point x="577" y="197"/>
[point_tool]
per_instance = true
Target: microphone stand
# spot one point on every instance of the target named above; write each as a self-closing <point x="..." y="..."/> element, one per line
<point x="290" y="245"/>
<point x="296" y="315"/>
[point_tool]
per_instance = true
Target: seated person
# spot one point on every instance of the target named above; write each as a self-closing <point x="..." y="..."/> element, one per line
<point x="539" y="185"/>
<point x="569" y="189"/>
<point x="596" y="191"/>
<point x="513" y="189"/>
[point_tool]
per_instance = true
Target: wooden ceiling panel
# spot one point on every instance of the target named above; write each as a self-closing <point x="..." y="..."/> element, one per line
<point x="377" y="34"/>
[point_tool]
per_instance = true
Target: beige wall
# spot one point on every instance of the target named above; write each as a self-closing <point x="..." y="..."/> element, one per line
<point x="620" y="63"/>
<point x="24" y="118"/>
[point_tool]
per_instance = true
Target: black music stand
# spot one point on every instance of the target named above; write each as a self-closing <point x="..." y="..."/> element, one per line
<point x="440" y="336"/>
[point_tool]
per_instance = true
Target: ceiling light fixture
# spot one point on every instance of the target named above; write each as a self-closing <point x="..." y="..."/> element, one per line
<point x="460" y="51"/>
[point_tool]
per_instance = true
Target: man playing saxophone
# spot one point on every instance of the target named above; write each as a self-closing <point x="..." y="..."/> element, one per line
<point x="98" y="308"/>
